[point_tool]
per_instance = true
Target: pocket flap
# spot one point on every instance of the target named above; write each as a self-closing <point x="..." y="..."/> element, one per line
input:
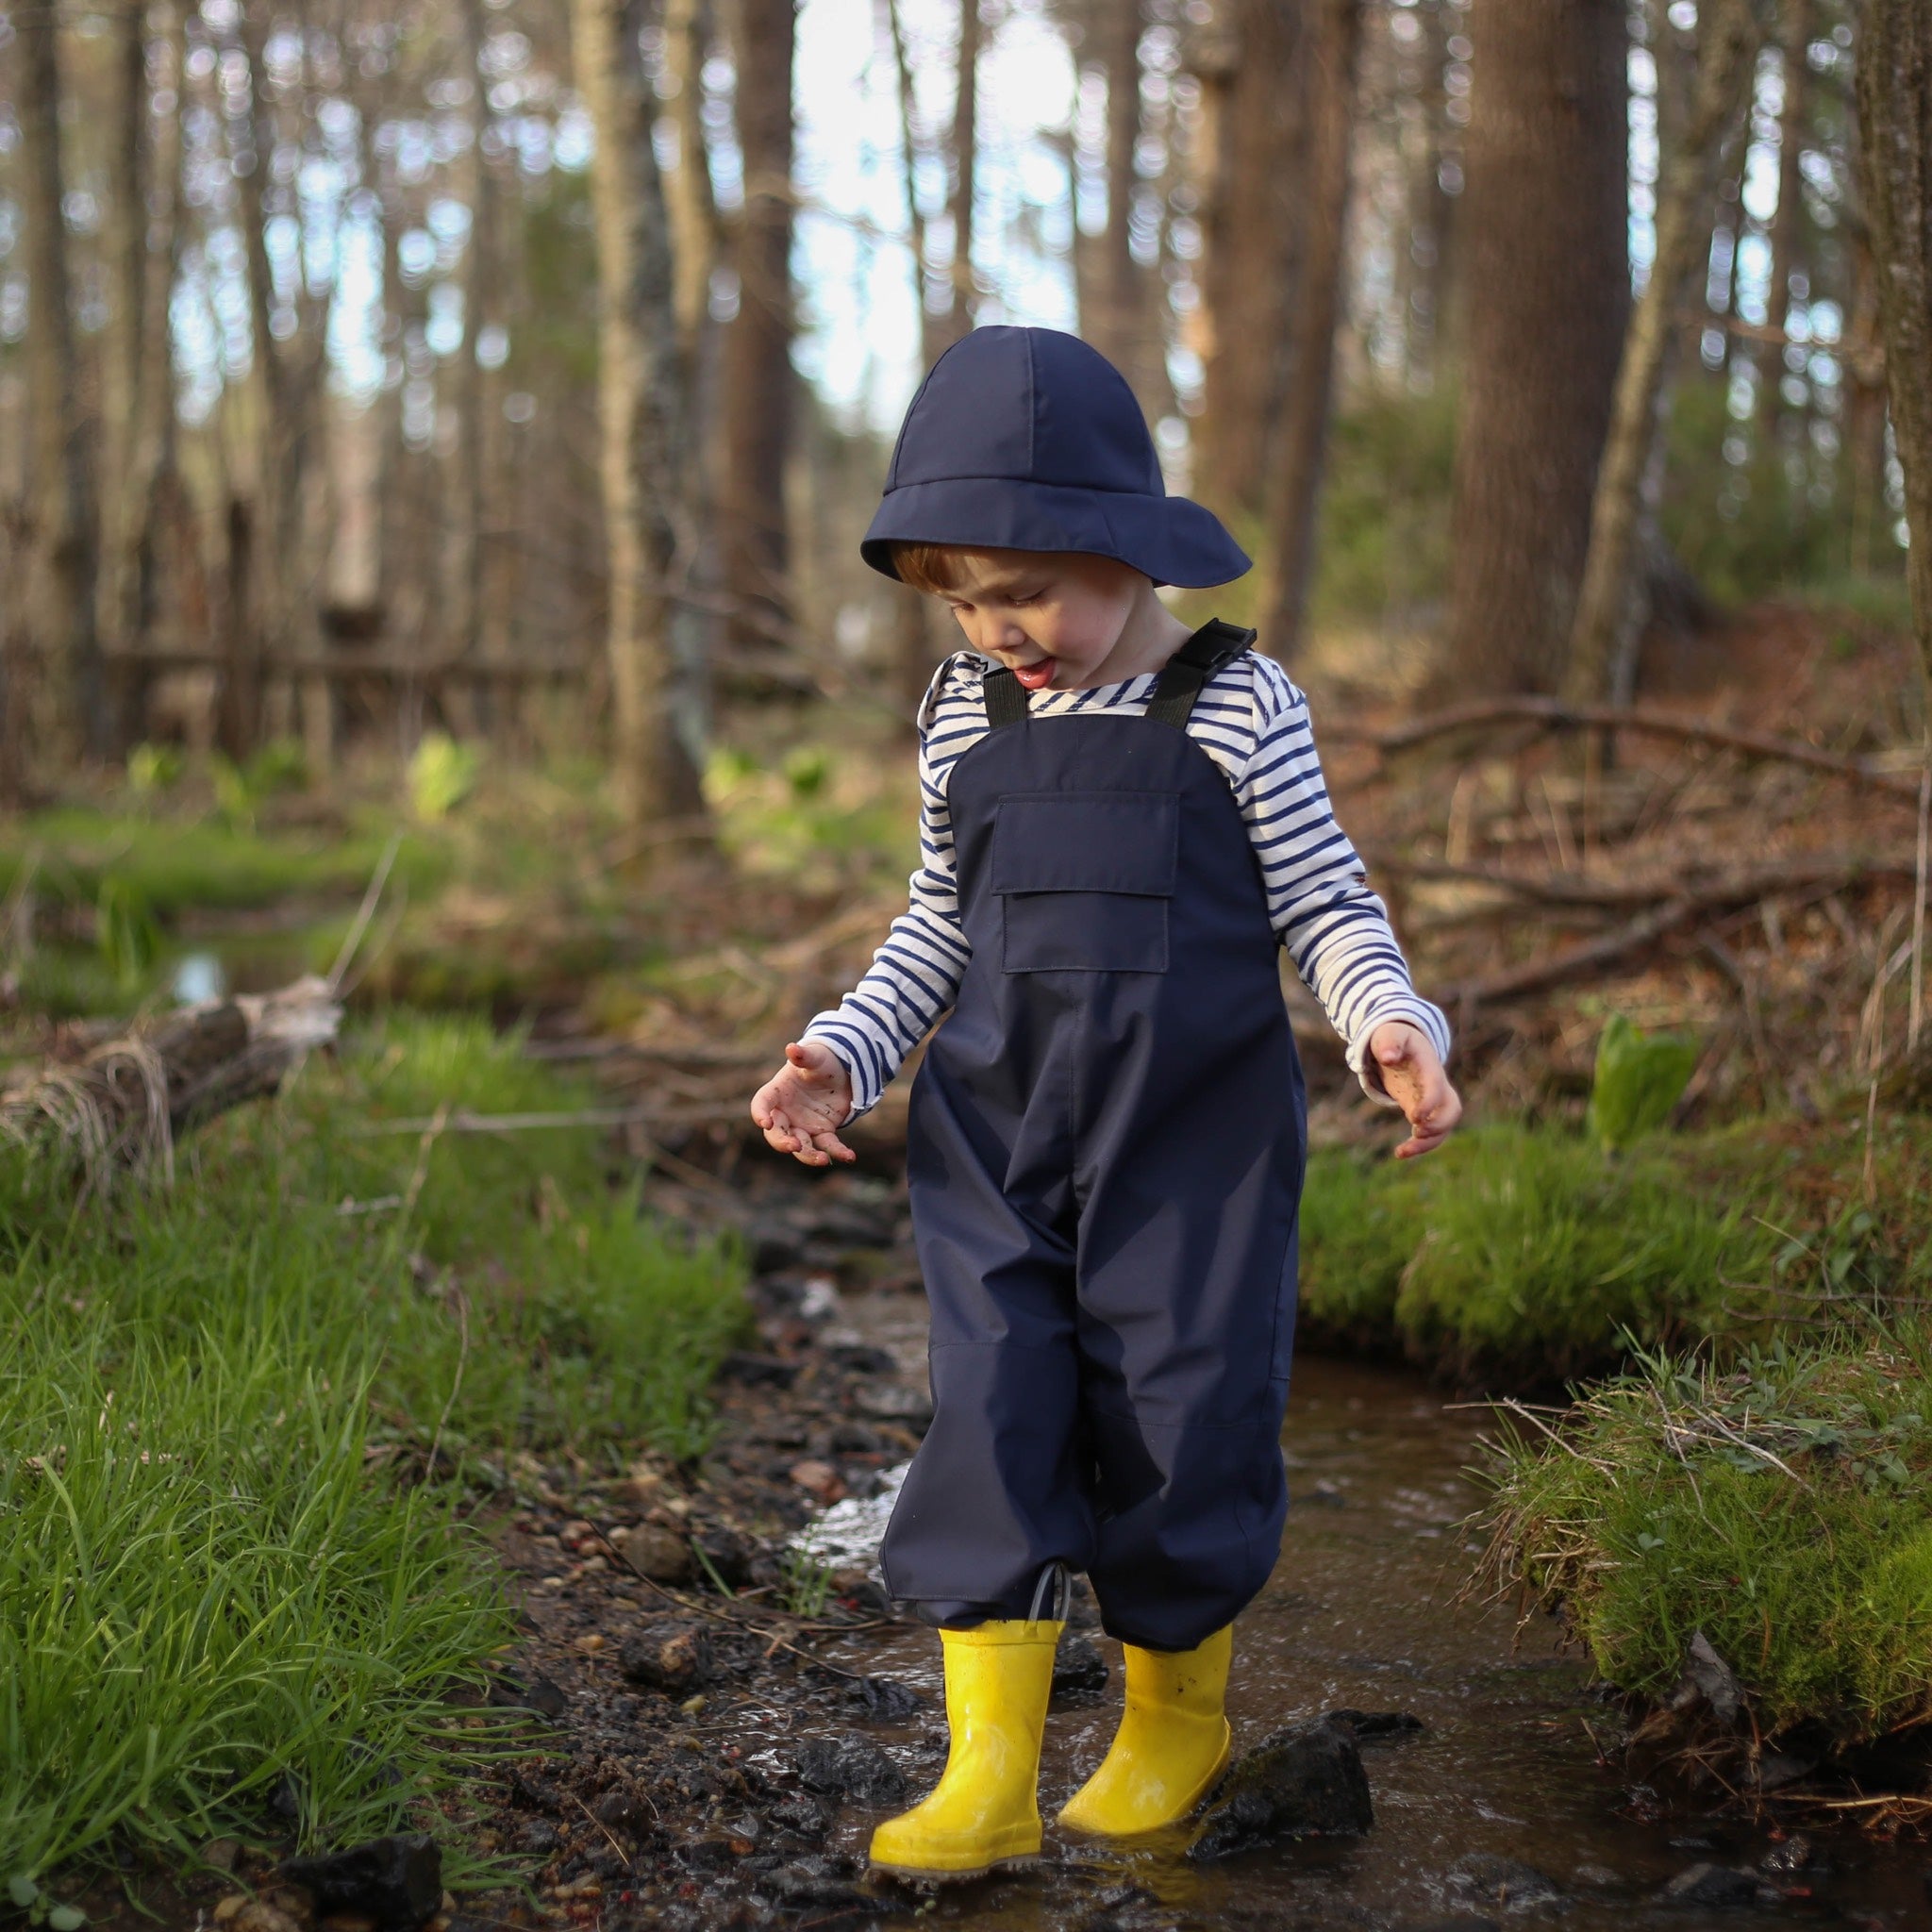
<point x="1086" y="841"/>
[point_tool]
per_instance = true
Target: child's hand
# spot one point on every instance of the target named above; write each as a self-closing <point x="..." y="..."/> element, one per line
<point x="1412" y="1076"/>
<point x="803" y="1102"/>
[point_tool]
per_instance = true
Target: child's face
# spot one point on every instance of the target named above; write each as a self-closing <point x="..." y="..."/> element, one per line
<point x="1052" y="617"/>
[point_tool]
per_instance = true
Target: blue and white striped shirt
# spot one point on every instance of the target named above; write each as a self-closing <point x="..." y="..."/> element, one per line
<point x="1253" y="724"/>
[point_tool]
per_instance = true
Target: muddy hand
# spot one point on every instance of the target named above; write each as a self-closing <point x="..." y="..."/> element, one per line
<point x="803" y="1101"/>
<point x="1412" y="1076"/>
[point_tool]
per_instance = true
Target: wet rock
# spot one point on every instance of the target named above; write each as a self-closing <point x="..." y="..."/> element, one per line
<point x="397" y="1881"/>
<point x="862" y="1358"/>
<point x="851" y="1767"/>
<point x="622" y="1812"/>
<point x="893" y="1402"/>
<point x="1079" y="1670"/>
<point x="818" y="1480"/>
<point x="725" y="1554"/>
<point x="528" y="1691"/>
<point x="1380" y="1724"/>
<point x="1792" y="1856"/>
<point x="1325" y="1496"/>
<point x="1707" y="1680"/>
<point x="818" y="1884"/>
<point x="885" y="1700"/>
<point x="241" y="1913"/>
<point x="1708" y="1884"/>
<point x="802" y="1815"/>
<point x="1777" y="1769"/>
<point x="655" y="1552"/>
<point x="675" y="1658"/>
<point x="1304" y="1779"/>
<point x="1506" y="1882"/>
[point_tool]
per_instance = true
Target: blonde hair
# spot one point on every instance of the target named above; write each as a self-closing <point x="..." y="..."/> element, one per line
<point x="933" y="568"/>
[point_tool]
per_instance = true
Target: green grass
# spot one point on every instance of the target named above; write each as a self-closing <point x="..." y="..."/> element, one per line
<point x="215" y="1586"/>
<point x="1522" y="1253"/>
<point x="1787" y="1513"/>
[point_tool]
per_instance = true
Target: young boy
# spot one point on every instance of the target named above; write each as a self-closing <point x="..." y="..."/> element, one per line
<point x="1121" y="824"/>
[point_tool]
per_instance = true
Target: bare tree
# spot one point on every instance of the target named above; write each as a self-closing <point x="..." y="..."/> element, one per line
<point x="1327" y="79"/>
<point x="965" y="178"/>
<point x="1894" y="86"/>
<point x="1549" y="288"/>
<point x="757" y="378"/>
<point x="1610" y="604"/>
<point x="639" y="408"/>
<point x="65" y="512"/>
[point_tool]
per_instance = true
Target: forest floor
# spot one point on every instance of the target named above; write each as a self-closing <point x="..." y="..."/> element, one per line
<point x="470" y="1353"/>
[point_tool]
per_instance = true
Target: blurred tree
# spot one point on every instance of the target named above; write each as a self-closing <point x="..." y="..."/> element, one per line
<point x="1612" y="603"/>
<point x="64" y="507"/>
<point x="640" y="411"/>
<point x="963" y="173"/>
<point x="757" y="377"/>
<point x="1548" y="290"/>
<point x="1894" y="88"/>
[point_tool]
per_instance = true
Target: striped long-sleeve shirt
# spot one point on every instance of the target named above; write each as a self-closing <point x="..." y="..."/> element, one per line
<point x="1253" y="724"/>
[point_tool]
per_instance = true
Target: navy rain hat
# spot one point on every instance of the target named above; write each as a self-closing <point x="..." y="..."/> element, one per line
<point x="1028" y="439"/>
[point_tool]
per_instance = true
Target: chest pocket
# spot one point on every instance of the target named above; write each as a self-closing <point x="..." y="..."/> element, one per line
<point x="1083" y="879"/>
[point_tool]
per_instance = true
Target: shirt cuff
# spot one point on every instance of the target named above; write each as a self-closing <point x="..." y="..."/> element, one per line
<point x="1430" y="1020"/>
<point x="866" y="1084"/>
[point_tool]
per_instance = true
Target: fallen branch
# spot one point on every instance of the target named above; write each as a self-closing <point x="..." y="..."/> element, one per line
<point x="1534" y="975"/>
<point x="1552" y="714"/>
<point x="1737" y="887"/>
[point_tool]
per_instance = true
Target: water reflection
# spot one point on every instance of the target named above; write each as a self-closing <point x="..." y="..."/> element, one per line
<point x="198" y="976"/>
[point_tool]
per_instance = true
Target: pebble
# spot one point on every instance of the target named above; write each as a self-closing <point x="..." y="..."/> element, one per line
<point x="656" y="1553"/>
<point x="1506" y="1882"/>
<point x="851" y="1767"/>
<point x="671" y="1658"/>
<point x="1307" y="1779"/>
<point x="1706" y="1884"/>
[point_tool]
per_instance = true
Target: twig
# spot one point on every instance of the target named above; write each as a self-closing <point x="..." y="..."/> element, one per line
<point x="1552" y="714"/>
<point x="1538" y="974"/>
<point x="364" y="912"/>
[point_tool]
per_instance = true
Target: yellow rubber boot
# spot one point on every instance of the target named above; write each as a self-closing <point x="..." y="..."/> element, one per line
<point x="984" y="1810"/>
<point x="1170" y="1748"/>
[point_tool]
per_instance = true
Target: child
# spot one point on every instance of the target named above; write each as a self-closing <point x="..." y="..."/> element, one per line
<point x="1121" y="824"/>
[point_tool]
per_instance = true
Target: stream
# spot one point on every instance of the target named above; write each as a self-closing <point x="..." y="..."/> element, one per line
<point x="1360" y="1614"/>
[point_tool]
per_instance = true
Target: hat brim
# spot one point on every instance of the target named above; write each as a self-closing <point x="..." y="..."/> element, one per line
<point x="1169" y="539"/>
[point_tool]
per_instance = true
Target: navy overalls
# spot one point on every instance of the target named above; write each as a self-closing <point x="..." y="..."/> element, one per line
<point x="1104" y="1160"/>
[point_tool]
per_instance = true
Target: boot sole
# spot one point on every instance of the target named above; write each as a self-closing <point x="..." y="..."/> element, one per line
<point x="1018" y="1861"/>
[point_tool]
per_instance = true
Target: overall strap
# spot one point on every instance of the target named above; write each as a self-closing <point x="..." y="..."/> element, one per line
<point x="1006" y="698"/>
<point x="1212" y="646"/>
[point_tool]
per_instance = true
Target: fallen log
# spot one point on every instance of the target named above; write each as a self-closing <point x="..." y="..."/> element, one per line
<point x="121" y="1101"/>
<point x="1713" y="887"/>
<point x="1552" y="714"/>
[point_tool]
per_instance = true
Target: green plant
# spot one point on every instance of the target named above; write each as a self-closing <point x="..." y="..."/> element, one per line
<point x="125" y="934"/>
<point x="807" y="770"/>
<point x="807" y="1584"/>
<point x="152" y="768"/>
<point x="443" y="774"/>
<point x="1639" y="1078"/>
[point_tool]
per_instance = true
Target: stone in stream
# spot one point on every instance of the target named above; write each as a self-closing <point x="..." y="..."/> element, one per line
<point x="395" y="1881"/>
<point x="1506" y="1882"/>
<point x="851" y="1767"/>
<point x="1710" y="1885"/>
<point x="1307" y="1779"/>
<point x="885" y="1700"/>
<point x="1380" y="1724"/>
<point x="1079" y="1670"/>
<point x="671" y="1658"/>
<point x="656" y="1553"/>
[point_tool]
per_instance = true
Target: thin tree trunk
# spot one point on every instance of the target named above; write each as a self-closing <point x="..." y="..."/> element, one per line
<point x="123" y="361"/>
<point x="637" y="409"/>
<point x="757" y="377"/>
<point x="693" y="207"/>
<point x="959" y="314"/>
<point x="1787" y="223"/>
<point x="1253" y="135"/>
<point x="65" y="512"/>
<point x="1609" y="607"/>
<point x="1123" y="324"/>
<point x="1328" y="79"/>
<point x="1549" y="286"/>
<point x="1894" y="88"/>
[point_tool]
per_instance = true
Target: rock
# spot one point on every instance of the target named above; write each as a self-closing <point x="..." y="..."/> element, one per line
<point x="851" y="1767"/>
<point x="655" y="1552"/>
<point x="818" y="1480"/>
<point x="893" y="1402"/>
<point x="1379" y="1723"/>
<point x="398" y="1881"/>
<point x="255" y="1915"/>
<point x="533" y="1691"/>
<point x="1305" y="1779"/>
<point x="1793" y="1856"/>
<point x="724" y="1554"/>
<point x="1707" y="1679"/>
<point x="1709" y="1885"/>
<point x="622" y="1812"/>
<point x="1079" y="1670"/>
<point x="861" y="1358"/>
<point x="1325" y="1496"/>
<point x="674" y="1658"/>
<point x="802" y="1815"/>
<point x="1506" y="1882"/>
<point x="757" y="1371"/>
<point x="885" y="1700"/>
<point x="1777" y="1769"/>
<point x="539" y="1836"/>
<point x="220" y="1852"/>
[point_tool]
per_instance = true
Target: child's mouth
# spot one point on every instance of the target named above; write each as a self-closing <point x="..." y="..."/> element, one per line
<point x="1035" y="676"/>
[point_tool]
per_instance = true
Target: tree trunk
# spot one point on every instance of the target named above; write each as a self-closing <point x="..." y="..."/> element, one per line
<point x="1122" y="322"/>
<point x="1252" y="138"/>
<point x="756" y="375"/>
<point x="1611" y="606"/>
<point x="960" y="312"/>
<point x="1549" y="288"/>
<point x="638" y="409"/>
<point x="1894" y="86"/>
<point x="1786" y="224"/>
<point x="1328" y="83"/>
<point x="693" y="207"/>
<point x="65" y="512"/>
<point x="123" y="363"/>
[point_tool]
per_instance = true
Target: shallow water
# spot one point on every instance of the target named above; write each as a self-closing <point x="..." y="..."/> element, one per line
<point x="1360" y="1613"/>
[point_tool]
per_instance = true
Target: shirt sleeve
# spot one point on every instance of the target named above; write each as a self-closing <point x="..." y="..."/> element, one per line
<point x="914" y="976"/>
<point x="1336" y="930"/>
